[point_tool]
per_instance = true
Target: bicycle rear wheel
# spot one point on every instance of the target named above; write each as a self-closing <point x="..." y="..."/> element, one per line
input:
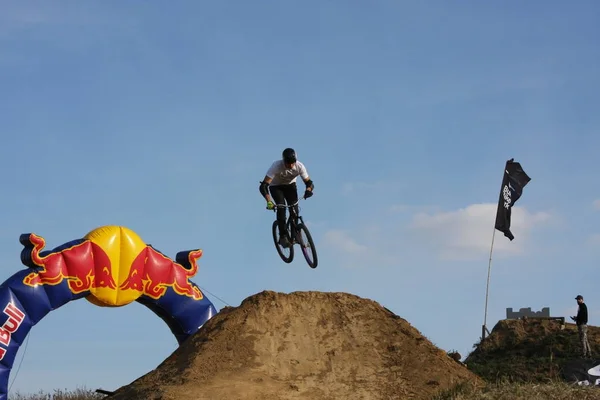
<point x="308" y="246"/>
<point x="280" y="249"/>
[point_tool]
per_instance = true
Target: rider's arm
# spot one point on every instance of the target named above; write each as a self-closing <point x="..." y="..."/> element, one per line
<point x="264" y="187"/>
<point x="309" y="183"/>
<point x="306" y="178"/>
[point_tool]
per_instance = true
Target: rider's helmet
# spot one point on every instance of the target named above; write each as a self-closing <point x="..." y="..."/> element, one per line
<point x="289" y="156"/>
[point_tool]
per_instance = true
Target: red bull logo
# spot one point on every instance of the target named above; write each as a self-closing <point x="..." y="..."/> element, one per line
<point x="85" y="266"/>
<point x="152" y="273"/>
<point x="12" y="324"/>
<point x="114" y="265"/>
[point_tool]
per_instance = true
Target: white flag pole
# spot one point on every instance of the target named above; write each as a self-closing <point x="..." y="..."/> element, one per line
<point x="484" y="327"/>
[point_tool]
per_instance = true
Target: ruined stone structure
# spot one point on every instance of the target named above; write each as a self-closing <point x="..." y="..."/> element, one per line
<point x="526" y="312"/>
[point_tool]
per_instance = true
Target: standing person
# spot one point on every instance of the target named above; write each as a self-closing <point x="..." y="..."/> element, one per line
<point x="280" y="181"/>
<point x="581" y="320"/>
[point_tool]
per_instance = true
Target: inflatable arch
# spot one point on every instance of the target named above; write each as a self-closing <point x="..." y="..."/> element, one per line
<point x="110" y="267"/>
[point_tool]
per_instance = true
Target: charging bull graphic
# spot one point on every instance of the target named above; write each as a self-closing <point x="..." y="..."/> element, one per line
<point x="151" y="273"/>
<point x="110" y="267"/>
<point x="83" y="264"/>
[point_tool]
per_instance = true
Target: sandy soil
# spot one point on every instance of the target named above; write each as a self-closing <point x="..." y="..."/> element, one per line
<point x="302" y="345"/>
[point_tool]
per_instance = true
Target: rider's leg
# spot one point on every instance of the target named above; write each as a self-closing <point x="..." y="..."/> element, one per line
<point x="278" y="194"/>
<point x="291" y="195"/>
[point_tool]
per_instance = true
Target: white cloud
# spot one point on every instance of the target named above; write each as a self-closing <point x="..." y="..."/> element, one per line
<point x="399" y="208"/>
<point x="356" y="249"/>
<point x="405" y="208"/>
<point x="366" y="187"/>
<point x="466" y="233"/>
<point x="596" y="204"/>
<point x="594" y="240"/>
<point x="343" y="242"/>
<point x="352" y="187"/>
<point x="412" y="234"/>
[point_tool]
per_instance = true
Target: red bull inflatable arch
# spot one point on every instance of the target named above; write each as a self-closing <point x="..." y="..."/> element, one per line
<point x="110" y="267"/>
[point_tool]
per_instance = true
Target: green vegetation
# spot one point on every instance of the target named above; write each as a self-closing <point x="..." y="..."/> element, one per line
<point x="527" y="351"/>
<point x="524" y="359"/>
<point x="557" y="390"/>
<point x="521" y="359"/>
<point x="77" y="394"/>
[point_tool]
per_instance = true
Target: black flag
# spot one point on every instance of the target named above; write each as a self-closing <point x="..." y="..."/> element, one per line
<point x="513" y="183"/>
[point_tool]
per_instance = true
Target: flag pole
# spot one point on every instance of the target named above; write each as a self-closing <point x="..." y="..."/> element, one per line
<point x="484" y="327"/>
<point x="487" y="287"/>
<point x="513" y="181"/>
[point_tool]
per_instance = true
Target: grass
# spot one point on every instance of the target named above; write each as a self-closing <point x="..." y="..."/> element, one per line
<point x="533" y="353"/>
<point x="557" y="390"/>
<point x="77" y="394"/>
<point x="523" y="362"/>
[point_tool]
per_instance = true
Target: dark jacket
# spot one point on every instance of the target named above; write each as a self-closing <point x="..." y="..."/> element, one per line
<point x="582" y="315"/>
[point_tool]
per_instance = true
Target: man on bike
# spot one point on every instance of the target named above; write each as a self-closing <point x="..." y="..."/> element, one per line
<point x="280" y="181"/>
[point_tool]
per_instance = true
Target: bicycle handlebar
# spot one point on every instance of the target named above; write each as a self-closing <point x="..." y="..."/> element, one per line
<point x="287" y="205"/>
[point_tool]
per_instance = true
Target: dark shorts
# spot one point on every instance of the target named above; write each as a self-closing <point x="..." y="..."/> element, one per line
<point x="281" y="193"/>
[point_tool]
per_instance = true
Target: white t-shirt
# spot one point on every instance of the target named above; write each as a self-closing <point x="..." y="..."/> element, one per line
<point x="283" y="176"/>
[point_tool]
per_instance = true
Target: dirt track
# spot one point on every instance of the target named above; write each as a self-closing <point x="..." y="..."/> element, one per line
<point x="302" y="345"/>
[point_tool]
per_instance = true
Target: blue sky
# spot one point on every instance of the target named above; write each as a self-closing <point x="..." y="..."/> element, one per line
<point x="164" y="118"/>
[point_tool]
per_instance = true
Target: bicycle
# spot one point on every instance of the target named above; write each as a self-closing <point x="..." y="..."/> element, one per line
<point x="295" y="226"/>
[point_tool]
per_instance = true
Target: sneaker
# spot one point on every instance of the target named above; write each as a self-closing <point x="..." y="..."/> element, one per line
<point x="284" y="241"/>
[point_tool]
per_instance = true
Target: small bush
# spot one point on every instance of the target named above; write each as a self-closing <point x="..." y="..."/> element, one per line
<point x="557" y="390"/>
<point x="77" y="394"/>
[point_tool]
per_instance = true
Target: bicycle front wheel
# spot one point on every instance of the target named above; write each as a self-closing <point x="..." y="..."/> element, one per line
<point x="308" y="246"/>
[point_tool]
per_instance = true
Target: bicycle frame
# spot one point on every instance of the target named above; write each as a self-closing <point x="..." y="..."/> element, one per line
<point x="294" y="218"/>
<point x="295" y="226"/>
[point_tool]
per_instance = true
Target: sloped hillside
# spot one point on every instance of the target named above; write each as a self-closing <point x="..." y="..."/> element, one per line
<point x="530" y="350"/>
<point x="302" y="345"/>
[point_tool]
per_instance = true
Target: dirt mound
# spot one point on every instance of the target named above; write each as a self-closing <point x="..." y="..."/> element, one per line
<point x="529" y="350"/>
<point x="302" y="345"/>
<point x="511" y="332"/>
